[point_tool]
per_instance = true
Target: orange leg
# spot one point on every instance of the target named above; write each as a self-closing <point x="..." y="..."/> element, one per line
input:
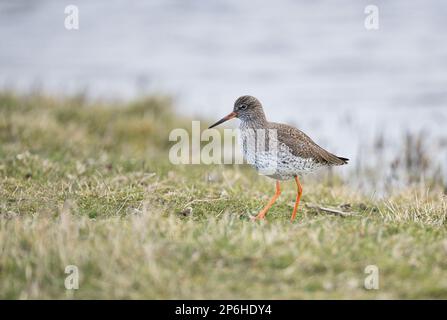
<point x="263" y="212"/>
<point x="298" y="198"/>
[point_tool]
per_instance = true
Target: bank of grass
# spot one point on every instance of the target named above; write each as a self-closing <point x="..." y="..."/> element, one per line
<point x="89" y="184"/>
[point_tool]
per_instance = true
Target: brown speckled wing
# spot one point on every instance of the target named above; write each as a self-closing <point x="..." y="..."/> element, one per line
<point x="303" y="146"/>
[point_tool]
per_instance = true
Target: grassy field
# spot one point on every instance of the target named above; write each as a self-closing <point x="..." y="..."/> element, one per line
<point x="89" y="184"/>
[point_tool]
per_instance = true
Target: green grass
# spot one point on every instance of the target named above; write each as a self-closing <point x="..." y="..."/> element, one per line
<point x="89" y="184"/>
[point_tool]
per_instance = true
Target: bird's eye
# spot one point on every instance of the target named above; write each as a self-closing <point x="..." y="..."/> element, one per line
<point x="242" y="107"/>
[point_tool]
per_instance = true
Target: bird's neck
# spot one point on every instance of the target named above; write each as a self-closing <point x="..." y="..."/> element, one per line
<point x="259" y="122"/>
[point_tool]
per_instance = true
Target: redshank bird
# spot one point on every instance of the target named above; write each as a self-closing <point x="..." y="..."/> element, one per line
<point x="277" y="150"/>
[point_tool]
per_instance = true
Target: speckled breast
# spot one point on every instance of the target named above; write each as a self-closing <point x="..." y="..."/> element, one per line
<point x="270" y="157"/>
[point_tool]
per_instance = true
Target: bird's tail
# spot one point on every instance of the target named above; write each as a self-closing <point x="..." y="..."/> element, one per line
<point x="344" y="160"/>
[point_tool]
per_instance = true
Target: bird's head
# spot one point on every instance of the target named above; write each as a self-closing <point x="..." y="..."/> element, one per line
<point x="246" y="108"/>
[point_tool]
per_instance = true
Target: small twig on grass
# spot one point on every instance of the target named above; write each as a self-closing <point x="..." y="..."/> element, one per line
<point x="328" y="210"/>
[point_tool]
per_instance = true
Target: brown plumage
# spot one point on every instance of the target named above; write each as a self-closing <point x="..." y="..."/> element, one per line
<point x="303" y="146"/>
<point x="295" y="153"/>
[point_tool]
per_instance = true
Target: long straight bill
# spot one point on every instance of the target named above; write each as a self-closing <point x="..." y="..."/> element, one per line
<point x="230" y="116"/>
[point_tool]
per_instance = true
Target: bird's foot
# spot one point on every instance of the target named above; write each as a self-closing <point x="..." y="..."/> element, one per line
<point x="260" y="216"/>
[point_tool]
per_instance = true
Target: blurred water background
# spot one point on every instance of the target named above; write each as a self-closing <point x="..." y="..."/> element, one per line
<point x="377" y="97"/>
